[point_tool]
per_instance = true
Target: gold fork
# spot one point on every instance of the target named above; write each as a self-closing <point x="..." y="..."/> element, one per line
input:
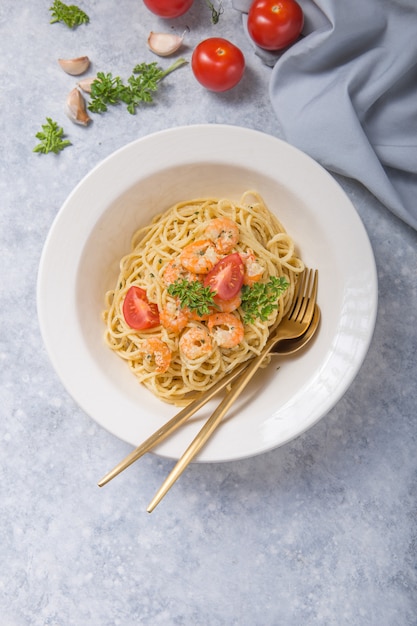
<point x="292" y="326"/>
<point x="180" y="418"/>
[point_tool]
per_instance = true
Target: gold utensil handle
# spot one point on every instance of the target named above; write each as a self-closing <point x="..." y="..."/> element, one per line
<point x="173" y="424"/>
<point x="293" y="326"/>
<point x="209" y="427"/>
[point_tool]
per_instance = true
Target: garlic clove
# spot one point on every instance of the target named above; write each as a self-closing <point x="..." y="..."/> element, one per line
<point x="164" y="44"/>
<point x="76" y="109"/>
<point x="85" y="84"/>
<point x="75" y="67"/>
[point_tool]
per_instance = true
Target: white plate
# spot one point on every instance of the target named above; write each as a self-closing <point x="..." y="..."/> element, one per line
<point x="92" y="231"/>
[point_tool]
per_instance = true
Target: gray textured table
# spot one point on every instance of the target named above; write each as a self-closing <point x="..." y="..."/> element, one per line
<point x="320" y="531"/>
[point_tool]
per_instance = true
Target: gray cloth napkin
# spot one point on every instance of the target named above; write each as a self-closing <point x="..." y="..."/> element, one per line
<point x="346" y="93"/>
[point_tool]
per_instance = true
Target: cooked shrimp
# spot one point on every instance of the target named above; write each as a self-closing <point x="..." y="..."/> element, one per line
<point x="253" y="270"/>
<point x="199" y="257"/>
<point x="174" y="270"/>
<point x="195" y="343"/>
<point x="221" y="306"/>
<point x="226" y="329"/>
<point x="224" y="233"/>
<point x="200" y="318"/>
<point x="156" y="353"/>
<point x="227" y="306"/>
<point x="173" y="317"/>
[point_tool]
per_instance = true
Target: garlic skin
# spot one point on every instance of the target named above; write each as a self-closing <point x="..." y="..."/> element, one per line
<point x="75" y="67"/>
<point x="75" y="108"/>
<point x="164" y="44"/>
<point x="85" y="84"/>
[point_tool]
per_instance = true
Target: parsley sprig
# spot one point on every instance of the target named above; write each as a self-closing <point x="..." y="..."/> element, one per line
<point x="144" y="81"/>
<point x="69" y="14"/>
<point x="105" y="90"/>
<point x="260" y="300"/>
<point x="51" y="138"/>
<point x="193" y="295"/>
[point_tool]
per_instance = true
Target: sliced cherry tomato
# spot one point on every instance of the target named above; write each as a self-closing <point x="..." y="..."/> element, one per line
<point x="138" y="312"/>
<point x="226" y="277"/>
<point x="275" y="24"/>
<point x="168" y="8"/>
<point x="217" y="64"/>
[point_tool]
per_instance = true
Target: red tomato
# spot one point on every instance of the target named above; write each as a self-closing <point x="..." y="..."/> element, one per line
<point x="275" y="24"/>
<point x="168" y="8"/>
<point x="217" y="64"/>
<point x="138" y="312"/>
<point x="226" y="277"/>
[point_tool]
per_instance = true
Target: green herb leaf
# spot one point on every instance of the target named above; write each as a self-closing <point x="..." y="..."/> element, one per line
<point x="105" y="90"/>
<point x="260" y="300"/>
<point x="71" y="15"/>
<point x="51" y="138"/>
<point x="193" y="295"/>
<point x="108" y="90"/>
<point x="141" y="85"/>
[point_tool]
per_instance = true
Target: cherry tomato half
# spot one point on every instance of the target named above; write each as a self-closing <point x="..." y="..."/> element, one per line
<point x="275" y="24"/>
<point x="217" y="64"/>
<point x="168" y="8"/>
<point x="137" y="311"/>
<point x="226" y="277"/>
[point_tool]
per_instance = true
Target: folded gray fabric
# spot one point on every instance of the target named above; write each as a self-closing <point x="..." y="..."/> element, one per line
<point x="346" y="93"/>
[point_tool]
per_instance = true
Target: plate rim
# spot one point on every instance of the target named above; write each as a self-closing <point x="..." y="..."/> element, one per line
<point x="203" y="128"/>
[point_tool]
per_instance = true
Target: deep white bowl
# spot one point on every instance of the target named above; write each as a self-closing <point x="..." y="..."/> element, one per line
<point x="93" y="229"/>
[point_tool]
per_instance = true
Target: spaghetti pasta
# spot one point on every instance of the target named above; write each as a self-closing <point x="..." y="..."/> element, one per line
<point x="185" y="352"/>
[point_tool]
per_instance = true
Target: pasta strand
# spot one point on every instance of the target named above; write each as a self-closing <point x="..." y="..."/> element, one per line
<point x="157" y="244"/>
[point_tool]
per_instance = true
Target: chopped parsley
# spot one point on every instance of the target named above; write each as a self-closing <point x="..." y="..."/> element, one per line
<point x="193" y="295"/>
<point x="51" y="138"/>
<point x="69" y="14"/>
<point x="260" y="300"/>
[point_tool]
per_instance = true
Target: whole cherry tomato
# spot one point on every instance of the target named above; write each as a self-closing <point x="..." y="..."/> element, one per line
<point x="168" y="8"/>
<point x="275" y="24"/>
<point x="217" y="64"/>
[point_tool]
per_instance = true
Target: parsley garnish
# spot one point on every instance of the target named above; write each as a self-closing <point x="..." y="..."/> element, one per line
<point x="193" y="295"/>
<point x="261" y="299"/>
<point x="107" y="89"/>
<point x="51" y="138"/>
<point x="70" y="14"/>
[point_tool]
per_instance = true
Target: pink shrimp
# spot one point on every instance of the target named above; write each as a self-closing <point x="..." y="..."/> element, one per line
<point x="195" y="343"/>
<point x="221" y="306"/>
<point x="224" y="233"/>
<point x="253" y="270"/>
<point x="156" y="352"/>
<point x="227" y="306"/>
<point x="174" y="270"/>
<point x="199" y="257"/>
<point x="173" y="317"/>
<point x="226" y="329"/>
<point x="200" y="318"/>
